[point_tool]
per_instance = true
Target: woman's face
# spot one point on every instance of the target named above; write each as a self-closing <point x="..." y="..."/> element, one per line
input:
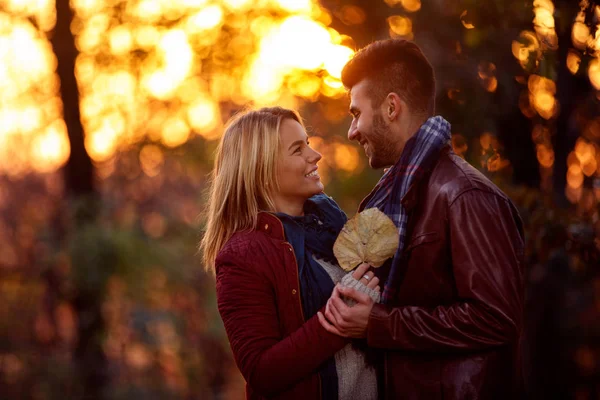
<point x="296" y="168"/>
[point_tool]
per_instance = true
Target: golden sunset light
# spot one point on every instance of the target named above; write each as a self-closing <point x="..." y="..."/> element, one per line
<point x="541" y="92"/>
<point x="146" y="164"/>
<point x="400" y="26"/>
<point x="545" y="156"/>
<point x="580" y="32"/>
<point x="543" y="23"/>
<point x="526" y="48"/>
<point x="573" y="62"/>
<point x="594" y="73"/>
<point x="293" y="48"/>
<point x="167" y="81"/>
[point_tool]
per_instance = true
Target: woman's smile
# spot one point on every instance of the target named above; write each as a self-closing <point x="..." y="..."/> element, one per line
<point x="313" y="175"/>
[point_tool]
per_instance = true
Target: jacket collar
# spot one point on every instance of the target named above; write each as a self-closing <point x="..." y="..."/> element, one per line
<point x="271" y="225"/>
<point x="410" y="199"/>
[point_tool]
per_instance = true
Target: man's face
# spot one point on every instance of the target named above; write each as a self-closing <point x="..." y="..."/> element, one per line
<point x="370" y="128"/>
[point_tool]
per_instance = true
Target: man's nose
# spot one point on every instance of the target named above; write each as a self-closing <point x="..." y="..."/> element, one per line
<point x="352" y="132"/>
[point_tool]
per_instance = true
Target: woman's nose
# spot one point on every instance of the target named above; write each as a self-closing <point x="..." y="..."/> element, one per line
<point x="315" y="156"/>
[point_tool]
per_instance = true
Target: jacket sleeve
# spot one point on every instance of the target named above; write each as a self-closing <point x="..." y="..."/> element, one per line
<point x="486" y="250"/>
<point x="268" y="361"/>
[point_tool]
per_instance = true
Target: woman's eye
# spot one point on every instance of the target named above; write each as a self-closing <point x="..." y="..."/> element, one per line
<point x="298" y="150"/>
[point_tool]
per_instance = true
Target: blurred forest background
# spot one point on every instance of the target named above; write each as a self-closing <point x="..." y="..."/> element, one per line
<point x="110" y="111"/>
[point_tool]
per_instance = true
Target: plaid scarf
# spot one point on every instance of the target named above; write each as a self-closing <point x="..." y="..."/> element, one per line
<point x="419" y="155"/>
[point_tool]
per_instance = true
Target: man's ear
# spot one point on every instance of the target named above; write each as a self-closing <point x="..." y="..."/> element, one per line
<point x="393" y="105"/>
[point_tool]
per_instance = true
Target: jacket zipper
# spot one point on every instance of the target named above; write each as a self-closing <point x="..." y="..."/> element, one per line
<point x="299" y="293"/>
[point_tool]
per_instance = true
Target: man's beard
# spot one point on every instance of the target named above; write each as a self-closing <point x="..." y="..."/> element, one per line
<point x="383" y="147"/>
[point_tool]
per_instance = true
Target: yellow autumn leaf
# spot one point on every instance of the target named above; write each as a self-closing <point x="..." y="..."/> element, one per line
<point x="370" y="236"/>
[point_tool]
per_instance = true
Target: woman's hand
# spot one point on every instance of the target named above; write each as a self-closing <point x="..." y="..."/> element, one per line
<point x="365" y="275"/>
<point x="350" y="321"/>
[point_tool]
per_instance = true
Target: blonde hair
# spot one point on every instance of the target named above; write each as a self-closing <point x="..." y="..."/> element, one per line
<point x="244" y="176"/>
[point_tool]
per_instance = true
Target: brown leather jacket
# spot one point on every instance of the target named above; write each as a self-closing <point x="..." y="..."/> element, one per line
<point x="454" y="329"/>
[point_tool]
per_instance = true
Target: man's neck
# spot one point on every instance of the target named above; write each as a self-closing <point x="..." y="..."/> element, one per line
<point x="415" y="124"/>
<point x="409" y="130"/>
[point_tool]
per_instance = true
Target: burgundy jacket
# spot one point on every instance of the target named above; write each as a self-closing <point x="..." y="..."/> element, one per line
<point x="258" y="295"/>
<point x="454" y="328"/>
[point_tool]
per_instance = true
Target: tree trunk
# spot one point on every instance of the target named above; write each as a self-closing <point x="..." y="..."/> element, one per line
<point x="81" y="198"/>
<point x="79" y="168"/>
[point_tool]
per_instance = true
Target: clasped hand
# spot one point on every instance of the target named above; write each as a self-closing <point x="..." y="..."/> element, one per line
<point x="350" y="321"/>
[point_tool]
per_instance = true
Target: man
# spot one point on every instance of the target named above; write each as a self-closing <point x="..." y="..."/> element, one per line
<point x="450" y="321"/>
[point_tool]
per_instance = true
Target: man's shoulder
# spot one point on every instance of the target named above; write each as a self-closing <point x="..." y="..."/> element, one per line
<point x="453" y="176"/>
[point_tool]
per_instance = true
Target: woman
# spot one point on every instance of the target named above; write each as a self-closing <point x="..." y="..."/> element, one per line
<point x="269" y="238"/>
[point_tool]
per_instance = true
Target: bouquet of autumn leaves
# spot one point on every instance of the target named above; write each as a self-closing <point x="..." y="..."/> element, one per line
<point x="369" y="237"/>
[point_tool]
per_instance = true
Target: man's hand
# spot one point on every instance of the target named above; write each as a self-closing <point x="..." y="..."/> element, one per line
<point x="343" y="320"/>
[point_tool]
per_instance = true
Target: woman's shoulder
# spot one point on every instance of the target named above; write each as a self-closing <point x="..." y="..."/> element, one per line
<point x="246" y="244"/>
<point x="239" y="244"/>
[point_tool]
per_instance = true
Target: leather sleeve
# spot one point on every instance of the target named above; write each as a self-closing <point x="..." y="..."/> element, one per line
<point x="486" y="248"/>
<point x="269" y="362"/>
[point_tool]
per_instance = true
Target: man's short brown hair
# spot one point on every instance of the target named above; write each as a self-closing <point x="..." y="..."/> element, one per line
<point x="394" y="65"/>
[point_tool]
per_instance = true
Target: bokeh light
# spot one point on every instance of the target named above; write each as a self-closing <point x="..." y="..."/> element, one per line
<point x="487" y="76"/>
<point x="411" y="5"/>
<point x="459" y="144"/>
<point x="408" y="5"/>
<point x="594" y="73"/>
<point x="545" y="156"/>
<point x="465" y="20"/>
<point x="400" y="26"/>
<point x="573" y="61"/>
<point x="297" y="44"/>
<point x="543" y="23"/>
<point x="32" y="135"/>
<point x="156" y="81"/>
<point x="161" y="70"/>
<point x="526" y="49"/>
<point x="352" y="15"/>
<point x="580" y="32"/>
<point x="574" y="176"/>
<point x="541" y="93"/>
<point x="346" y="157"/>
<point x="151" y="159"/>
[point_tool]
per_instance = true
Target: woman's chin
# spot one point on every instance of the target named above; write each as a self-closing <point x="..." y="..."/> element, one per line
<point x="316" y="189"/>
<point x="320" y="187"/>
